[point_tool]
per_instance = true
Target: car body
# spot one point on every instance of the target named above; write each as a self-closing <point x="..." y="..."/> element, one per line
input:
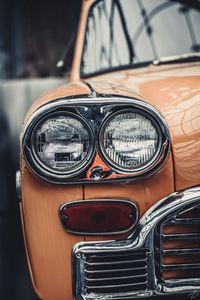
<point x="116" y="216"/>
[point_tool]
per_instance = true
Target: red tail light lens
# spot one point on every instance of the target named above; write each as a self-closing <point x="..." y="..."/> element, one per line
<point x="99" y="216"/>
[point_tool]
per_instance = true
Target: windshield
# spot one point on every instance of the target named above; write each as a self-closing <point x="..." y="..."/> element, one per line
<point x="122" y="33"/>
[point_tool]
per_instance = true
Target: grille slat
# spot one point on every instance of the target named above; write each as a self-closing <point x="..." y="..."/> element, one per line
<point x="181" y="266"/>
<point x="114" y="289"/>
<point x="180" y="236"/>
<point x="116" y="278"/>
<point x="115" y="263"/>
<point x="181" y="251"/>
<point x="118" y="255"/>
<point x="116" y="272"/>
<point x="116" y="285"/>
<point x="185" y="221"/>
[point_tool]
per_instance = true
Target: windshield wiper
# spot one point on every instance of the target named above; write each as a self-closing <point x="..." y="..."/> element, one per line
<point x="187" y="57"/>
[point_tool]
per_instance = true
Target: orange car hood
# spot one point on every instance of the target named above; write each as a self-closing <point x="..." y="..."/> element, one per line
<point x="175" y="91"/>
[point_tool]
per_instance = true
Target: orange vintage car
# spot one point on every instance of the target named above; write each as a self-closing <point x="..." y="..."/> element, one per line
<point x="110" y="162"/>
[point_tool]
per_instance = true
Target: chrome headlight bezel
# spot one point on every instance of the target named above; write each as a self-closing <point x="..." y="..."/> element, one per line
<point x="115" y="166"/>
<point x="35" y="163"/>
<point x="94" y="112"/>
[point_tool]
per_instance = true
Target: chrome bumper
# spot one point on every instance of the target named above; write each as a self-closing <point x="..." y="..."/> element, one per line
<point x="92" y="261"/>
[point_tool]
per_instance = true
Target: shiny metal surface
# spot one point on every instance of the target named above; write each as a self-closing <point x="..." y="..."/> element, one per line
<point x="179" y="252"/>
<point x="18" y="185"/>
<point x="142" y="238"/>
<point x="139" y="170"/>
<point x="110" y="275"/>
<point x="95" y="109"/>
<point x="177" y="58"/>
<point x="39" y="166"/>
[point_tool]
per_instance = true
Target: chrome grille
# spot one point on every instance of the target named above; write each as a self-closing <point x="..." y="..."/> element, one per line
<point x="116" y="272"/>
<point x="161" y="257"/>
<point x="179" y="246"/>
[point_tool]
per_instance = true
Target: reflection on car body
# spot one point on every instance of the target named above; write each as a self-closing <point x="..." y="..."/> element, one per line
<point x="110" y="171"/>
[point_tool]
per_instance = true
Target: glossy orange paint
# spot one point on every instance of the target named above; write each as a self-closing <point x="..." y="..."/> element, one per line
<point x="142" y="192"/>
<point x="49" y="245"/>
<point x="72" y="89"/>
<point x="174" y="91"/>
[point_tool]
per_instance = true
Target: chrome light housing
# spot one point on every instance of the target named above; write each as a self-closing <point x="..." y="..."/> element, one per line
<point x="95" y="139"/>
<point x="130" y="140"/>
<point x="60" y="144"/>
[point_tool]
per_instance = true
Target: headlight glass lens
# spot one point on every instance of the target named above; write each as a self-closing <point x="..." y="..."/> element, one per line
<point x="61" y="142"/>
<point x="130" y="140"/>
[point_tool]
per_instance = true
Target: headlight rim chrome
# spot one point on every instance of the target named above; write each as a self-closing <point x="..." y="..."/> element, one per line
<point x="36" y="165"/>
<point x="109" y="104"/>
<point x="163" y="135"/>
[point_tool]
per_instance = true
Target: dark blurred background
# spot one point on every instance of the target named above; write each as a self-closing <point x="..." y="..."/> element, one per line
<point x="34" y="35"/>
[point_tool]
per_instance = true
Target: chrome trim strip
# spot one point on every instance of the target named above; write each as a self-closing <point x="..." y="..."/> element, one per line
<point x="18" y="186"/>
<point x="142" y="237"/>
<point x="108" y="102"/>
<point x="82" y="101"/>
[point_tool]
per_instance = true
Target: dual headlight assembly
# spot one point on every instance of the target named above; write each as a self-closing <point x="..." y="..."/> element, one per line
<point x="63" y="138"/>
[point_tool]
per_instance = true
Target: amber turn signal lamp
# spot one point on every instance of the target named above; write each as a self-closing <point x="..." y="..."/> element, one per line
<point x="99" y="216"/>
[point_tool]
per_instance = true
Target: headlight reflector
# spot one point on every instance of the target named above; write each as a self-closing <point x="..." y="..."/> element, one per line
<point x="130" y="140"/>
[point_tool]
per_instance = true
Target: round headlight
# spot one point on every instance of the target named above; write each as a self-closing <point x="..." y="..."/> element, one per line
<point x="130" y="140"/>
<point x="61" y="143"/>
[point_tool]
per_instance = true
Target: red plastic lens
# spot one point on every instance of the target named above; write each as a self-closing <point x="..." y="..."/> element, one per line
<point x="99" y="216"/>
